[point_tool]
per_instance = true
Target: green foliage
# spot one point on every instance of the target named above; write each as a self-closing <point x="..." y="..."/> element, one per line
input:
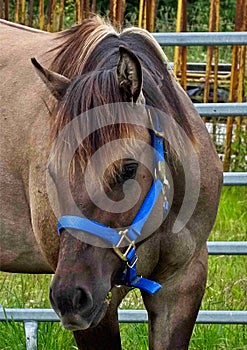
<point x="227" y="15"/>
<point x="198" y="13"/>
<point x="69" y="10"/>
<point x="239" y="150"/>
<point x="231" y="221"/>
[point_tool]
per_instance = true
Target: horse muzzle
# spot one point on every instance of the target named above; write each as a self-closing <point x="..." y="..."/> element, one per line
<point x="76" y="307"/>
<point x="76" y="322"/>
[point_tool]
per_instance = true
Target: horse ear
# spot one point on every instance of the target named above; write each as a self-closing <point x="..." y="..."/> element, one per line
<point x="57" y="83"/>
<point x="129" y="73"/>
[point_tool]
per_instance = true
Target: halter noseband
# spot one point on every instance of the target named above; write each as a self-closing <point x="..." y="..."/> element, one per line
<point x="117" y="238"/>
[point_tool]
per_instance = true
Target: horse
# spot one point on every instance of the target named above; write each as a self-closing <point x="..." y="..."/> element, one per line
<point x="109" y="179"/>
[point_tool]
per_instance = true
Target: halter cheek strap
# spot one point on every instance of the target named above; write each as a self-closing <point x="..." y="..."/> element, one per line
<point x="129" y="236"/>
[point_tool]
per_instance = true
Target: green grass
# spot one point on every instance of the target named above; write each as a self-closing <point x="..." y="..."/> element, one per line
<point x="226" y="290"/>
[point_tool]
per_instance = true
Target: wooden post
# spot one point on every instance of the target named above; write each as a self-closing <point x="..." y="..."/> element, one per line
<point x="78" y="11"/>
<point x="113" y="5"/>
<point x="30" y="13"/>
<point x="93" y="6"/>
<point x="6" y="10"/>
<point x="236" y="91"/>
<point x="61" y="14"/>
<point x="120" y="13"/>
<point x="87" y="8"/>
<point x="241" y="76"/>
<point x="147" y="14"/>
<point x="49" y="15"/>
<point x="17" y="10"/>
<point x="23" y="11"/>
<point x="151" y="14"/>
<point x="41" y="15"/>
<point x="117" y="8"/>
<point x="180" y="52"/>
<point x="54" y="16"/>
<point x="144" y="19"/>
<point x="212" y="52"/>
<point x="141" y="11"/>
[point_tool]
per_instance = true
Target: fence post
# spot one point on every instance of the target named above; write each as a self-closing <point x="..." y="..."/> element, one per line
<point x="31" y="329"/>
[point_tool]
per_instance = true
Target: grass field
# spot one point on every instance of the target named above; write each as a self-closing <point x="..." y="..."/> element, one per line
<point x="226" y="290"/>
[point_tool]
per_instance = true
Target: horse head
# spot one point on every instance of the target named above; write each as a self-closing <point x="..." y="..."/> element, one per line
<point x="101" y="191"/>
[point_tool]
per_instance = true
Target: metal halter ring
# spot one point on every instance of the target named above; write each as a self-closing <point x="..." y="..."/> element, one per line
<point x="124" y="236"/>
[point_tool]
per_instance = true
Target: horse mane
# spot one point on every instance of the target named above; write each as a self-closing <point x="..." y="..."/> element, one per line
<point x="88" y="55"/>
<point x="78" y="42"/>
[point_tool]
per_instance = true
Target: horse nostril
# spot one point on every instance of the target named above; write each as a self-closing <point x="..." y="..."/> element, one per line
<point x="70" y="300"/>
<point x="82" y="300"/>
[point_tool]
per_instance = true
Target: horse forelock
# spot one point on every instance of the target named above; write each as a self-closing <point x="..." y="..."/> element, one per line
<point x="88" y="56"/>
<point x="88" y="105"/>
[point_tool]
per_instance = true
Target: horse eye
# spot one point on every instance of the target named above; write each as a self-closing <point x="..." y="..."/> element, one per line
<point x="128" y="172"/>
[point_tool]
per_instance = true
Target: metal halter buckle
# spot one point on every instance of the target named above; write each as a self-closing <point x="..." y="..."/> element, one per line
<point x="160" y="172"/>
<point x="124" y="236"/>
<point x="156" y="132"/>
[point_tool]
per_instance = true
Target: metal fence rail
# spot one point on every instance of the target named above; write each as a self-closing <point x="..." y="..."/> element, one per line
<point x="235" y="179"/>
<point x="125" y="316"/>
<point x="227" y="248"/>
<point x="31" y="317"/>
<point x="222" y="109"/>
<point x="201" y="38"/>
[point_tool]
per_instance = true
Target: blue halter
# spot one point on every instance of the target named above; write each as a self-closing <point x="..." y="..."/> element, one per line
<point x="116" y="238"/>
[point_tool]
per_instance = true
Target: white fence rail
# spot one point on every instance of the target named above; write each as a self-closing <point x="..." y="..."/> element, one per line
<point x="234" y="109"/>
<point x="31" y="317"/>
<point x="201" y="38"/>
<point x="124" y="316"/>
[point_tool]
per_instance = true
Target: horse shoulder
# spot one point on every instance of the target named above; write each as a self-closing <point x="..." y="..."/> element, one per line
<point x="22" y="110"/>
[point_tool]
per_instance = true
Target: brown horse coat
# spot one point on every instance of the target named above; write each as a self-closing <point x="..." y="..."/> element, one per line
<point x="29" y="241"/>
